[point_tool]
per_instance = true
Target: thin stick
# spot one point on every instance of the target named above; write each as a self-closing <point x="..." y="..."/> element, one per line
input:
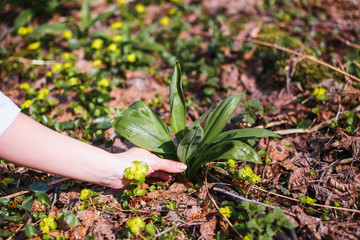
<point x="304" y="56"/>
<point x="217" y="207"/>
<point x="315" y="128"/>
<point x="27" y="191"/>
<point x="313" y="204"/>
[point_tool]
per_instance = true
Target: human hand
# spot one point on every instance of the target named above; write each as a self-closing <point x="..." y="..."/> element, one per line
<point x="158" y="167"/>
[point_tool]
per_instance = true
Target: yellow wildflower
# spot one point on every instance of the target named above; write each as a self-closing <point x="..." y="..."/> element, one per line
<point x="97" y="43"/>
<point x="34" y="46"/>
<point x="116" y="25"/>
<point x="43" y="93"/>
<point x="131" y="57"/>
<point x="66" y="56"/>
<point x="57" y="67"/>
<point x="24" y="86"/>
<point x="73" y="81"/>
<point x="172" y="11"/>
<point x="226" y="211"/>
<point x="117" y="38"/>
<point x="26" y="104"/>
<point x="320" y="93"/>
<point x="165" y="21"/>
<point x="113" y="48"/>
<point x="49" y="74"/>
<point x="97" y="63"/>
<point x="24" y="31"/>
<point x="67" y="34"/>
<point x="104" y="82"/>
<point x="140" y="8"/>
<point x="121" y="2"/>
<point x="67" y="65"/>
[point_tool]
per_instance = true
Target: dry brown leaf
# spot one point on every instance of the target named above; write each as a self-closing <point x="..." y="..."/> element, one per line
<point x="207" y="230"/>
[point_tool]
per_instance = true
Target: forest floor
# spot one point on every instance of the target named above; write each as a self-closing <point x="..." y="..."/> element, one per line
<point x="299" y="63"/>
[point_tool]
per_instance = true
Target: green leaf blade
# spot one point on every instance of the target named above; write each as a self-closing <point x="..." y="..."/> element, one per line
<point x="190" y="143"/>
<point x="177" y="104"/>
<point x="137" y="128"/>
<point x="217" y="120"/>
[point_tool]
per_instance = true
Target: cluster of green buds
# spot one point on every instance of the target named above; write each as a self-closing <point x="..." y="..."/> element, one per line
<point x="320" y="94"/>
<point x="136" y="172"/>
<point x="246" y="173"/>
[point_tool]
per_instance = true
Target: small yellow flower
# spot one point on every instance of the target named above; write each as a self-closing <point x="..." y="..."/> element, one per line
<point x="116" y="25"/>
<point x="226" y="211"/>
<point x="24" y="86"/>
<point x="104" y="82"/>
<point x="6" y="181"/>
<point x="172" y="11"/>
<point x="121" y="2"/>
<point x="49" y="74"/>
<point x="131" y="57"/>
<point x="97" y="43"/>
<point x="43" y="93"/>
<point x="97" y="63"/>
<point x="73" y="81"/>
<point x="24" y="31"/>
<point x="67" y="65"/>
<point x="140" y="8"/>
<point x="67" y="34"/>
<point x="113" y="48"/>
<point x="34" y="46"/>
<point x="26" y="104"/>
<point x="175" y="1"/>
<point x="320" y="93"/>
<point x="165" y="21"/>
<point x="117" y="38"/>
<point x="57" y="67"/>
<point x="66" y="56"/>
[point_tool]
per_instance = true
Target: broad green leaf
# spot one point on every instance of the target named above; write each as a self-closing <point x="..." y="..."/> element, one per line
<point x="136" y="127"/>
<point x="71" y="219"/>
<point x="152" y="46"/>
<point x="145" y="33"/>
<point x="101" y="34"/>
<point x="190" y="143"/>
<point x="23" y="18"/>
<point x="243" y="134"/>
<point x="50" y="28"/>
<point x="27" y="203"/>
<point x="30" y="231"/>
<point x="217" y="120"/>
<point x="149" y="113"/>
<point x="231" y="149"/>
<point x="44" y="199"/>
<point x="102" y="122"/>
<point x="101" y="17"/>
<point x="39" y="188"/>
<point x="200" y="119"/>
<point x="86" y="15"/>
<point x="177" y="104"/>
<point x="74" y="43"/>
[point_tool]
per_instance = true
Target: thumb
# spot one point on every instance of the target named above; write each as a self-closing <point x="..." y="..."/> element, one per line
<point x="169" y="166"/>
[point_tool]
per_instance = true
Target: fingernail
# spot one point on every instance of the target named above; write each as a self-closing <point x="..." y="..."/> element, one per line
<point x="181" y="166"/>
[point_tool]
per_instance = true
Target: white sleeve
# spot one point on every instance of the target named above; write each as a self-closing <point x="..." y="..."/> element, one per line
<point x="8" y="112"/>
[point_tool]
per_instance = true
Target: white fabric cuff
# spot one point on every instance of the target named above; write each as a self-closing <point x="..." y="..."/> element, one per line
<point x="8" y="113"/>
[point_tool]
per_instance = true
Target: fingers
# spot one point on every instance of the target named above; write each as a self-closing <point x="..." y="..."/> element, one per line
<point x="160" y="174"/>
<point x="169" y="166"/>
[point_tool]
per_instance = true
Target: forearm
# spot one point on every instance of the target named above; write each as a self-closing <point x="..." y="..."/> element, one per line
<point x="31" y="144"/>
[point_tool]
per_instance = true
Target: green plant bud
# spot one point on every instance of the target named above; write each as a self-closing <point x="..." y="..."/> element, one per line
<point x="135" y="224"/>
<point x="136" y="172"/>
<point x="262" y="153"/>
<point x="86" y="193"/>
<point x="150" y="229"/>
<point x="231" y="163"/>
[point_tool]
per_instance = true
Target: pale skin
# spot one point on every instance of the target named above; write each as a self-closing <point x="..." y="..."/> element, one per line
<point x="30" y="144"/>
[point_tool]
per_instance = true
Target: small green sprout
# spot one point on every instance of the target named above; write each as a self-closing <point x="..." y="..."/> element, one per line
<point x="226" y="211"/>
<point x="135" y="224"/>
<point x="247" y="174"/>
<point x="320" y="94"/>
<point x="231" y="163"/>
<point x="86" y="194"/>
<point x="170" y="204"/>
<point x="48" y="223"/>
<point x="136" y="172"/>
<point x="150" y="228"/>
<point x="306" y="199"/>
<point x="287" y="144"/>
<point x="262" y="153"/>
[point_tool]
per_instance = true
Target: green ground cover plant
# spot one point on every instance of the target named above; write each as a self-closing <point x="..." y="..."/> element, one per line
<point x="197" y="145"/>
